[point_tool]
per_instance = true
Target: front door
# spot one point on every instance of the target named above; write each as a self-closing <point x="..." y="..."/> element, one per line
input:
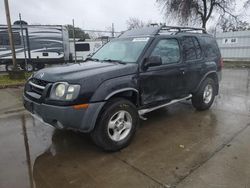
<point x="163" y="83"/>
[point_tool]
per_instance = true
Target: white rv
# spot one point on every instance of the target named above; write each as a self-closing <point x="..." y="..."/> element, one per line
<point x="41" y="44"/>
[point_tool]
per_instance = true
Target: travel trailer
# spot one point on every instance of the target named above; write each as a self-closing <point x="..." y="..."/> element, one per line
<point x="38" y="44"/>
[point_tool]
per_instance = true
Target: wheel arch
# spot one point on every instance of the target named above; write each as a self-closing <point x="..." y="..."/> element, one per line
<point x="213" y="75"/>
<point x="130" y="94"/>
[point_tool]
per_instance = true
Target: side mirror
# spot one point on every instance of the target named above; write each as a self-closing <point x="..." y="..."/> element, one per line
<point x="152" y="61"/>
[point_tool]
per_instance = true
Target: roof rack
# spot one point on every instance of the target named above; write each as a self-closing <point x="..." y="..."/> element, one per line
<point x="156" y="30"/>
<point x="179" y="29"/>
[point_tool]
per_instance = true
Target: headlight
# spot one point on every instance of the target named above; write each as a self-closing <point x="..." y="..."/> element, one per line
<point x="60" y="90"/>
<point x="64" y="91"/>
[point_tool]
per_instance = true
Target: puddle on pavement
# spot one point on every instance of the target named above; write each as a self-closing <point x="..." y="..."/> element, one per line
<point x="171" y="143"/>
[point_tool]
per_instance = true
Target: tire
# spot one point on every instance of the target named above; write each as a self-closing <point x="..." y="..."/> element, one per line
<point x="29" y="67"/>
<point x="204" y="98"/>
<point x="9" y="67"/>
<point x="116" y="125"/>
<point x="22" y="65"/>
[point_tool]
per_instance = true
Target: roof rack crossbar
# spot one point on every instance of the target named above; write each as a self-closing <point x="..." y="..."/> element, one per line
<point x="179" y="29"/>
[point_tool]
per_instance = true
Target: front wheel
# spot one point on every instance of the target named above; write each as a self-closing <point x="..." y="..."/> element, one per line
<point x="204" y="98"/>
<point x="116" y="125"/>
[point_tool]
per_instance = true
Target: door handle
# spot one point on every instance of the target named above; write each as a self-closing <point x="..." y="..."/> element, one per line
<point x="182" y="70"/>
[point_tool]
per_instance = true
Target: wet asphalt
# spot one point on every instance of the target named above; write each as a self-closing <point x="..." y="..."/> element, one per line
<point x="176" y="147"/>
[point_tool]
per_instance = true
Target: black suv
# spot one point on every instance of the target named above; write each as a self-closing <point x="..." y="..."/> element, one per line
<point x="136" y="73"/>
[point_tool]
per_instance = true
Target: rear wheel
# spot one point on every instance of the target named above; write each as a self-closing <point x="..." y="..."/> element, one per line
<point x="29" y="67"/>
<point x="9" y="67"/>
<point x="116" y="125"/>
<point x="204" y="98"/>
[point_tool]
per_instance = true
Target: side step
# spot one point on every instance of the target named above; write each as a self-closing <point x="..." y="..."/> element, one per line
<point x="144" y="111"/>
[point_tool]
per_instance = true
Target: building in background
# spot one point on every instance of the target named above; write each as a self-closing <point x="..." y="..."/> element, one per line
<point x="234" y="46"/>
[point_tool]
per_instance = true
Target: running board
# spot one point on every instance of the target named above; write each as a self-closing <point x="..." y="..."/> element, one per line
<point x="144" y="111"/>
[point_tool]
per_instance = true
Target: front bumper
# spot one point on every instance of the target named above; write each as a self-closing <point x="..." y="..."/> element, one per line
<point x="65" y="117"/>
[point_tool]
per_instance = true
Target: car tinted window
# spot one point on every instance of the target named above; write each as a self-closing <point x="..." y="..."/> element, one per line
<point x="197" y="48"/>
<point x="211" y="47"/>
<point x="188" y="49"/>
<point x="168" y="50"/>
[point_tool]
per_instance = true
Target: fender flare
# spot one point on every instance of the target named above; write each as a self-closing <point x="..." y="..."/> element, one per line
<point x="120" y="91"/>
<point x="203" y="78"/>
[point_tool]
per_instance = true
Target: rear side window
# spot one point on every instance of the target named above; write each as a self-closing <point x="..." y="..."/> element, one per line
<point x="197" y="48"/>
<point x="191" y="48"/>
<point x="82" y="47"/>
<point x="211" y="48"/>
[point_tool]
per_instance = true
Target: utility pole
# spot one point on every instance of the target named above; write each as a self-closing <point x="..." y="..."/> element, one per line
<point x="113" y="30"/>
<point x="24" y="45"/>
<point x="74" y="38"/>
<point x="7" y="11"/>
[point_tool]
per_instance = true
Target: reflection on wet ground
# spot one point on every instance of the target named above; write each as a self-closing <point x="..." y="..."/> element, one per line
<point x="168" y="147"/>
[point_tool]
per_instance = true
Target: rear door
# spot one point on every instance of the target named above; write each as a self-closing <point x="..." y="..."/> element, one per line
<point x="194" y="61"/>
<point x="163" y="83"/>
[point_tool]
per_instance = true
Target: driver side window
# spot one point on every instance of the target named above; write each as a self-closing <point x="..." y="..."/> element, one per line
<point x="168" y="50"/>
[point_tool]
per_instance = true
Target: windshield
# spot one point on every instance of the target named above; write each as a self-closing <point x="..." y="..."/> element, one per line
<point x="125" y="50"/>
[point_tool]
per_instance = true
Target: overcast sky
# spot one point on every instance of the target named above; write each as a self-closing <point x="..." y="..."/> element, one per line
<point x="88" y="14"/>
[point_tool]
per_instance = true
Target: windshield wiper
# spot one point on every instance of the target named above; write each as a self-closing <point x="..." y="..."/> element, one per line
<point x="91" y="59"/>
<point x="114" y="61"/>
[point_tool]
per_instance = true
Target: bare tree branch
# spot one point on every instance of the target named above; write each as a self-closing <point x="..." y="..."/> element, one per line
<point x="134" y="23"/>
<point x="202" y="10"/>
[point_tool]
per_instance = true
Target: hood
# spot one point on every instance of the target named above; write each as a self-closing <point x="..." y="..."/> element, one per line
<point x="77" y="73"/>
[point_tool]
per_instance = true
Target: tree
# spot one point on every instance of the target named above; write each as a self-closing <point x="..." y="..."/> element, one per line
<point x="230" y="24"/>
<point x="247" y="3"/>
<point x="79" y="33"/>
<point x="135" y="23"/>
<point x="193" y="10"/>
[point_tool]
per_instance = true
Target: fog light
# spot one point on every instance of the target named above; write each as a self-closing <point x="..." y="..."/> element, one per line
<point x="69" y="96"/>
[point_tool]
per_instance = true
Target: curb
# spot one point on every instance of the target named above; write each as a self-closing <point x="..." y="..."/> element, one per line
<point x="17" y="113"/>
<point x="12" y="86"/>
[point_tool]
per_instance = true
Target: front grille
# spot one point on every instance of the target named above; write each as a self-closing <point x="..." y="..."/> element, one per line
<point x="39" y="82"/>
<point x="37" y="90"/>
<point x="37" y="87"/>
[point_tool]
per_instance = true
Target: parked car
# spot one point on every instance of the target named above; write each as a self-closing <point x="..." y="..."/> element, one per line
<point x="141" y="71"/>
